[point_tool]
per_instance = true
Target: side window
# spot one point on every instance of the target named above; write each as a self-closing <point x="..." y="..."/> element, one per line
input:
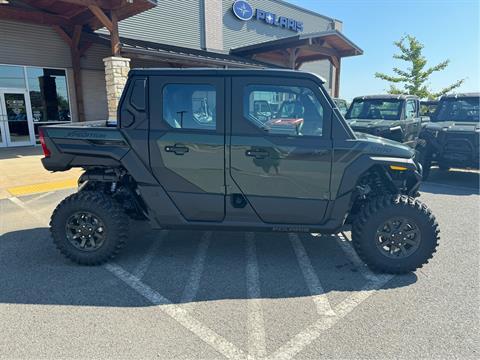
<point x="287" y="110"/>
<point x="190" y="106"/>
<point x="410" y="110"/>
<point x="137" y="97"/>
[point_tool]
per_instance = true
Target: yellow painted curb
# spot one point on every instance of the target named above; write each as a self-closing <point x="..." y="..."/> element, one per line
<point x="43" y="187"/>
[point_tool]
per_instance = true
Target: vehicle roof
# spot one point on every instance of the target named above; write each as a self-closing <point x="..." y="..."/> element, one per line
<point x="460" y="95"/>
<point x="224" y="72"/>
<point x="387" y="96"/>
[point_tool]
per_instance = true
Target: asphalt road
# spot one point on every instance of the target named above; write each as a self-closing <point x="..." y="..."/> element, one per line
<point x="204" y="295"/>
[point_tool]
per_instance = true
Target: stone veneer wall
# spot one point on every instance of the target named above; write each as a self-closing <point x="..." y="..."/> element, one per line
<point x="116" y="73"/>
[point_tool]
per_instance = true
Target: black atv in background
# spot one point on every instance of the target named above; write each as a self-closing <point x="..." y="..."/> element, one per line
<point x="342" y="105"/>
<point x="394" y="117"/>
<point x="427" y="108"/>
<point x="451" y="139"/>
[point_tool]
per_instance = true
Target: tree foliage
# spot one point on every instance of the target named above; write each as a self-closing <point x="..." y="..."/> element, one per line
<point x="415" y="77"/>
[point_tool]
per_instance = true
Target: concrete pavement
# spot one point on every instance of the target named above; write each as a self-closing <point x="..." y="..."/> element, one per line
<point x="22" y="173"/>
<point x="235" y="295"/>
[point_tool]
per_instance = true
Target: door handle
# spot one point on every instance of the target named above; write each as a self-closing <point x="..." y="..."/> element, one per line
<point x="257" y="154"/>
<point x="177" y="149"/>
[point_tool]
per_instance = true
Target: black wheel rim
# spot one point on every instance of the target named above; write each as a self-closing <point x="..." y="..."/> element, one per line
<point x="85" y="231"/>
<point x="398" y="238"/>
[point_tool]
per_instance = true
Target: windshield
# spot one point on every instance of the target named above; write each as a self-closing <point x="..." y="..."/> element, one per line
<point x="427" y="109"/>
<point x="458" y="109"/>
<point x="375" y="109"/>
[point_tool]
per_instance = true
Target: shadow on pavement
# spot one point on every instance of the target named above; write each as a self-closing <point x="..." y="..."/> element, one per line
<point x="34" y="272"/>
<point x="18" y="152"/>
<point x="453" y="182"/>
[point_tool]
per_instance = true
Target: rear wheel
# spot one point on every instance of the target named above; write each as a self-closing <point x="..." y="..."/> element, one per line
<point x="89" y="227"/>
<point x="395" y="234"/>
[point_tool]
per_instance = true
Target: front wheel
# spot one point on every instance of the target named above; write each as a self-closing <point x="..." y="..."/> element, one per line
<point x="89" y="227"/>
<point x="395" y="234"/>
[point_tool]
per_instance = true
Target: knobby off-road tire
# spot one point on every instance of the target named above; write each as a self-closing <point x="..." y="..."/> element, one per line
<point x="100" y="222"/>
<point x="378" y="241"/>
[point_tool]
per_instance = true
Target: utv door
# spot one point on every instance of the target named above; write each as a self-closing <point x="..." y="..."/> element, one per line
<point x="187" y="143"/>
<point x="412" y="122"/>
<point x="281" y="161"/>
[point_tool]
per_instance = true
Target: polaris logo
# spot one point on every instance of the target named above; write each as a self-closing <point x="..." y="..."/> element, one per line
<point x="245" y="12"/>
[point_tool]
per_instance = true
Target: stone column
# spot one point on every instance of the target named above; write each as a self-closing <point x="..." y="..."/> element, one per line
<point x="116" y="72"/>
<point x="213" y="20"/>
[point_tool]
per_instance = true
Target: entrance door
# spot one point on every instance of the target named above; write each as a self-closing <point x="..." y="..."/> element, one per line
<point x="16" y="125"/>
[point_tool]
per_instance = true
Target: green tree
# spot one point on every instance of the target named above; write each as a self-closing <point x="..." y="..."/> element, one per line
<point x="415" y="77"/>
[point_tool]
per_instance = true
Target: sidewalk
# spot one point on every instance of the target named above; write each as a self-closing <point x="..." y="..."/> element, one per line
<point x="22" y="173"/>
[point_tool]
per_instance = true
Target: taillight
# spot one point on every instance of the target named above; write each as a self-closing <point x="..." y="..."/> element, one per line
<point x="46" y="152"/>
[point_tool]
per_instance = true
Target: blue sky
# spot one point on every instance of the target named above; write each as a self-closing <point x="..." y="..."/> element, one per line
<point x="448" y="29"/>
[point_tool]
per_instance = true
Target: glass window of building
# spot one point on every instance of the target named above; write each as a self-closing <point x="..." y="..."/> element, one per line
<point x="48" y="95"/>
<point x="12" y="77"/>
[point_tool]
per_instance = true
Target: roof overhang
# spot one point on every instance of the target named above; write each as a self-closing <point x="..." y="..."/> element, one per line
<point x="69" y="13"/>
<point x="295" y="50"/>
<point x="176" y="54"/>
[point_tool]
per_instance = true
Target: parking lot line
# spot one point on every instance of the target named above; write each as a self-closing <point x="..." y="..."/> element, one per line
<point x="191" y="288"/>
<point x="144" y="264"/>
<point x="43" y="187"/>
<point x="179" y="314"/>
<point x="255" y="323"/>
<point x="29" y="211"/>
<point x="353" y="257"/>
<point x="303" y="339"/>
<point x="315" y="287"/>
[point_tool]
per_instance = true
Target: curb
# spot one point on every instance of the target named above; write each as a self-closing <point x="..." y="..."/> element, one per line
<point x="42" y="187"/>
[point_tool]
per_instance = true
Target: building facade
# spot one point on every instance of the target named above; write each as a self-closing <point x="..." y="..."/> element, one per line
<point x="66" y="60"/>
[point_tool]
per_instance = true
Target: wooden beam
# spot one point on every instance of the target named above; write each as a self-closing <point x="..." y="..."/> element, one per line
<point x="101" y="16"/>
<point x="36" y="17"/>
<point x="337" y="78"/>
<point x="63" y="34"/>
<point x="100" y="3"/>
<point x="77" y="34"/>
<point x="77" y="79"/>
<point x="73" y="42"/>
<point x="114" y="35"/>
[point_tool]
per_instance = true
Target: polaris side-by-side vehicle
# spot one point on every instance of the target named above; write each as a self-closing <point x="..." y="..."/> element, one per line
<point x="196" y="149"/>
<point x="394" y="117"/>
<point x="451" y="138"/>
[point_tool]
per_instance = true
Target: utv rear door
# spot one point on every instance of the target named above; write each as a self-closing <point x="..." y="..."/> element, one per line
<point x="187" y="143"/>
<point x="281" y="157"/>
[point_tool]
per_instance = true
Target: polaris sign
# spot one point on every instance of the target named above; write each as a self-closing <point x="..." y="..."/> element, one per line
<point x="245" y="12"/>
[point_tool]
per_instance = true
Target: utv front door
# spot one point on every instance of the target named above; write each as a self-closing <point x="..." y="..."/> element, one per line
<point x="282" y="163"/>
<point x="187" y="143"/>
<point x="412" y="122"/>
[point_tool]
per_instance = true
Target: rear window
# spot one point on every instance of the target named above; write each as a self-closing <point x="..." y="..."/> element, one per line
<point x="458" y="109"/>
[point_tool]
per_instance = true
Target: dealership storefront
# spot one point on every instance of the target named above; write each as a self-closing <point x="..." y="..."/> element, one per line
<point x="67" y="60"/>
